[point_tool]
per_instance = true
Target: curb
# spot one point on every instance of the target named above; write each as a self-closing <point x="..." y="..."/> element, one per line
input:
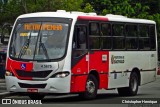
<point x="3" y="88"/>
<point x="2" y="81"/>
<point x="2" y="85"/>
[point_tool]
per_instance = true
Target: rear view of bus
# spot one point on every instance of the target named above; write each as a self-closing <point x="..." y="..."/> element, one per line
<point x="36" y="55"/>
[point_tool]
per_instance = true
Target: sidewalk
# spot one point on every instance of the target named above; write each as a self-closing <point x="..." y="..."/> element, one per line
<point x="3" y="90"/>
<point x="2" y="86"/>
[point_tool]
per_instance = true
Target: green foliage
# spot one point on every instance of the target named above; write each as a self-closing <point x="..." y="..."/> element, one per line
<point x="10" y="11"/>
<point x="149" y="9"/>
<point x="72" y="5"/>
<point x="14" y="8"/>
<point x="131" y="8"/>
<point x="88" y="8"/>
<point x="120" y="7"/>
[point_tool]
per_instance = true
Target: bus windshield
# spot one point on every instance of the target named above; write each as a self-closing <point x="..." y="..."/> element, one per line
<point x="39" y="40"/>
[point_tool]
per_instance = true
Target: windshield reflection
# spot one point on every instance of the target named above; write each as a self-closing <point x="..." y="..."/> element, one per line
<point x="39" y="41"/>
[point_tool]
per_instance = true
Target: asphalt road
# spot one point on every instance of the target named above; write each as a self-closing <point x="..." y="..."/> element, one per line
<point x="109" y="97"/>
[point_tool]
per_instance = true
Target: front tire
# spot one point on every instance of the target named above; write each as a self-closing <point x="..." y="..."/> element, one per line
<point x="133" y="86"/>
<point x="36" y="96"/>
<point x="91" y="88"/>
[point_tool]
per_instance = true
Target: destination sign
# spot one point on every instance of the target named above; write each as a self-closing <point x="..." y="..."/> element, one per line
<point x="36" y="26"/>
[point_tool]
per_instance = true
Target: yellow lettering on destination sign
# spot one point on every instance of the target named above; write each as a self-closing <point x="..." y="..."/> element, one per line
<point x="43" y="27"/>
<point x="23" y="34"/>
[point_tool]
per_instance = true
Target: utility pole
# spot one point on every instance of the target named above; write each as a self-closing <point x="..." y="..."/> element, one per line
<point x="158" y="5"/>
<point x="49" y="7"/>
<point x="24" y="5"/>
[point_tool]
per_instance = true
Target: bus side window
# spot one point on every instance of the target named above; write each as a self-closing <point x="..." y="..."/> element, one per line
<point x="106" y="39"/>
<point x="82" y="38"/>
<point x="152" y="37"/>
<point x="144" y="40"/>
<point x="79" y="41"/>
<point x="131" y="36"/>
<point x="94" y="35"/>
<point x="118" y="36"/>
<point x="94" y="29"/>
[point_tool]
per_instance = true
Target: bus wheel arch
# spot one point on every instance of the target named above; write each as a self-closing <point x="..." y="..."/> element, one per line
<point x="137" y="71"/>
<point x="92" y="85"/>
<point x="95" y="73"/>
<point x="134" y="82"/>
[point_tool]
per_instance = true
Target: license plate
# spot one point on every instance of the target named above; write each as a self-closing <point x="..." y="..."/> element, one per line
<point x="32" y="90"/>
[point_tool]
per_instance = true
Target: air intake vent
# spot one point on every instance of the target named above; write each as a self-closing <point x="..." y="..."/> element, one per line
<point x="24" y="85"/>
<point x="35" y="74"/>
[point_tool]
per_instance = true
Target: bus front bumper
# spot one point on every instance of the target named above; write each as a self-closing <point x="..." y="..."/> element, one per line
<point x="52" y="85"/>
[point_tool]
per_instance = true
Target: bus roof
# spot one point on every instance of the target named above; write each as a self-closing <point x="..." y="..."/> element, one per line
<point x="121" y="18"/>
<point x="87" y="16"/>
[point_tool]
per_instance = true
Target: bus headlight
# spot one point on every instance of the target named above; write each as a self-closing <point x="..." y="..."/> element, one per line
<point x="61" y="74"/>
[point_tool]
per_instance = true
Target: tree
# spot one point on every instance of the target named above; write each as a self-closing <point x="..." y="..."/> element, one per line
<point x="119" y="7"/>
<point x="10" y="11"/>
<point x="14" y="8"/>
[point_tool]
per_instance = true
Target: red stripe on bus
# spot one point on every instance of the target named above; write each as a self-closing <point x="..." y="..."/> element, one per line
<point x="13" y="65"/>
<point x="96" y="18"/>
<point x="78" y="83"/>
<point x="80" y="71"/>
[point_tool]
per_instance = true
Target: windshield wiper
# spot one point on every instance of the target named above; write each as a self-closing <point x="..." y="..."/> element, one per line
<point x="24" y="47"/>
<point x="44" y="49"/>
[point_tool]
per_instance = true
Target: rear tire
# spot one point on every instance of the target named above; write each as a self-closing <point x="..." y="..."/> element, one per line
<point x="91" y="88"/>
<point x="133" y="86"/>
<point x="36" y="96"/>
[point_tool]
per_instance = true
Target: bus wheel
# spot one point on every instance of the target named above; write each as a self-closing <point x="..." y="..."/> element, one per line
<point x="133" y="86"/>
<point x="91" y="88"/>
<point x="36" y="96"/>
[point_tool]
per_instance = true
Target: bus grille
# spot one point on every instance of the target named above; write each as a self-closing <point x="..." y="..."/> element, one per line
<point x="37" y="74"/>
<point x="24" y="85"/>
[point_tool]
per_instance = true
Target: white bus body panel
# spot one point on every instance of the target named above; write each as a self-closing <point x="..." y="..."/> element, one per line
<point x="145" y="61"/>
<point x="54" y="85"/>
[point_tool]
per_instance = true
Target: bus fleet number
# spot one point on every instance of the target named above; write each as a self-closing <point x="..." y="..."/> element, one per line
<point x="46" y="66"/>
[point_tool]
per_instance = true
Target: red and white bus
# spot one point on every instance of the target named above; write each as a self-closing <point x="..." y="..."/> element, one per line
<point x="74" y="52"/>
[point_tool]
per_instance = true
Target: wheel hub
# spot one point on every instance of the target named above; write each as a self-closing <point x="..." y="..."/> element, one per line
<point x="90" y="86"/>
<point x="134" y="84"/>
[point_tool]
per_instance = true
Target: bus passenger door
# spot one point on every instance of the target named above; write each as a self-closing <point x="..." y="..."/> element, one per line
<point x="79" y="59"/>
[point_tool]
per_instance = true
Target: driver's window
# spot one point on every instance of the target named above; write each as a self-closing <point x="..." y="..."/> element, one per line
<point x="80" y="39"/>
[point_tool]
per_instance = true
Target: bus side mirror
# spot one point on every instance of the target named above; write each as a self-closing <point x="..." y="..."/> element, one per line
<point x="6" y="30"/>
